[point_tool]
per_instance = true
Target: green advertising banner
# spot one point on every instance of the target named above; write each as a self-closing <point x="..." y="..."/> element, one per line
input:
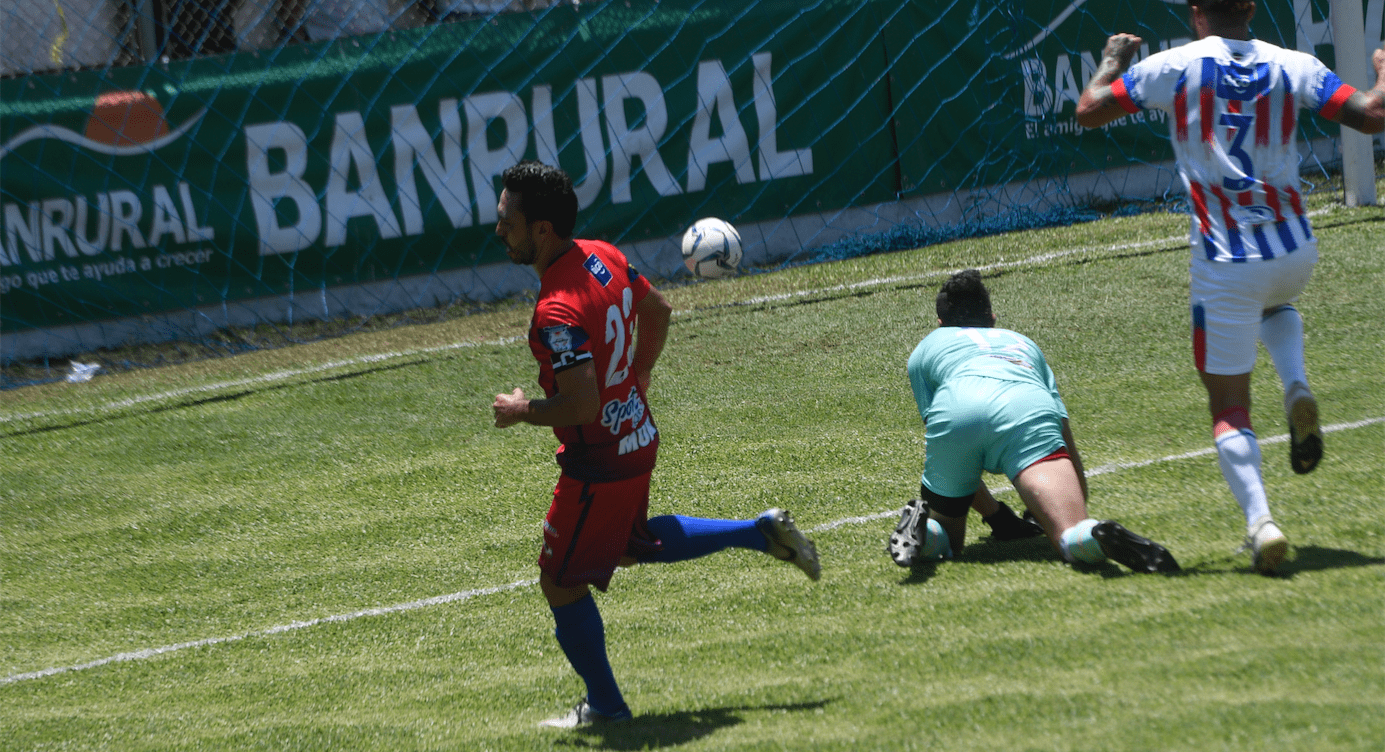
<point x="182" y="185"/>
<point x="308" y="169"/>
<point x="994" y="93"/>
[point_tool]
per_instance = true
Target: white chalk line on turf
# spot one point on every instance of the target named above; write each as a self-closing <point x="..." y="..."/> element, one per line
<point x="468" y="594"/>
<point x="152" y="652"/>
<point x="382" y="357"/>
<point x="1115" y="467"/>
<point x="259" y="380"/>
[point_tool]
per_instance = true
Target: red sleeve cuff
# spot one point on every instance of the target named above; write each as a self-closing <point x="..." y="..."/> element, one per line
<point x="1333" y="106"/>
<point x="1123" y="96"/>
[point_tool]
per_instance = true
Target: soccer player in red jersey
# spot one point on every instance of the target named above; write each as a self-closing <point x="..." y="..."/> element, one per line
<point x="598" y="328"/>
<point x="1233" y="103"/>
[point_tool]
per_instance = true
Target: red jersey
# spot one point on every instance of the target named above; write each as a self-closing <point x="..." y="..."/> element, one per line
<point x="586" y="311"/>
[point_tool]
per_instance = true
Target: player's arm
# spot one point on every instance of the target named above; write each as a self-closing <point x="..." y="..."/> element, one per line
<point x="577" y="402"/>
<point x="1076" y="458"/>
<point x="652" y="315"/>
<point x="1099" y="104"/>
<point x="1365" y="110"/>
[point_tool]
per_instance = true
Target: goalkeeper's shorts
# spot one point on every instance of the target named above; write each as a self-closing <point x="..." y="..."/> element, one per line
<point x="977" y="423"/>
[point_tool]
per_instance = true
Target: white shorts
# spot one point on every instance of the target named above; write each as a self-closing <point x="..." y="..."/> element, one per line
<point x="1229" y="299"/>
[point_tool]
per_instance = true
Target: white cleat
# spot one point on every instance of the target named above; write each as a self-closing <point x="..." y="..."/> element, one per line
<point x="787" y="543"/>
<point x="583" y="716"/>
<point x="1267" y="545"/>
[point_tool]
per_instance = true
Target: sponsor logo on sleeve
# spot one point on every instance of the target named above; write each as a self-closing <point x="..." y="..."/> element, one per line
<point x="598" y="270"/>
<point x="563" y="342"/>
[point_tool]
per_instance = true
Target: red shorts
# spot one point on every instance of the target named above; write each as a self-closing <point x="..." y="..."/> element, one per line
<point x="591" y="526"/>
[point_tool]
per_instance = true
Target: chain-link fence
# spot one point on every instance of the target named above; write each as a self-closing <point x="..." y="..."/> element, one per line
<point x="43" y="36"/>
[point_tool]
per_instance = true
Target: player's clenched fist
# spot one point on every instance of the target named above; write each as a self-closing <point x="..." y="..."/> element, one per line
<point x="509" y="408"/>
<point x="1121" y="49"/>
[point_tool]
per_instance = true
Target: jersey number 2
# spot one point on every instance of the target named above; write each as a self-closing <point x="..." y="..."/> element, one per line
<point x="620" y="327"/>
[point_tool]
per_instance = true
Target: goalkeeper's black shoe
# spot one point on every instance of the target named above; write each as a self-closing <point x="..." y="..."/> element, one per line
<point x="1140" y="554"/>
<point x="1005" y="526"/>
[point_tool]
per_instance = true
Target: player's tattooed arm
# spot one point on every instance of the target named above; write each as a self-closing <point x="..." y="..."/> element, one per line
<point x="1098" y="105"/>
<point x="1115" y="59"/>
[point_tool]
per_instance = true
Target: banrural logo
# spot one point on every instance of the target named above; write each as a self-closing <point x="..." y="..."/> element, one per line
<point x="67" y="228"/>
<point x="1054" y="83"/>
<point x="302" y="195"/>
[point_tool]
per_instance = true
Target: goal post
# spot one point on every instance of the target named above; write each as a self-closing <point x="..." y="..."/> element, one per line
<point x="1353" y="66"/>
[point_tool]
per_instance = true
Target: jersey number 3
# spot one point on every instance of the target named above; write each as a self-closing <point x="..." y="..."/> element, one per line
<point x="1241" y="125"/>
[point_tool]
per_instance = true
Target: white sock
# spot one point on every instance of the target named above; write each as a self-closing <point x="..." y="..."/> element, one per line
<point x="1282" y="333"/>
<point x="1078" y="544"/>
<point x="1239" y="456"/>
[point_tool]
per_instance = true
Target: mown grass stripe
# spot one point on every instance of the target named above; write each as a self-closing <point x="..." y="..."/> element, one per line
<point x="468" y="594"/>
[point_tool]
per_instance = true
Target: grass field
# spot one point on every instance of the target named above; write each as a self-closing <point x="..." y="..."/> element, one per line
<point x="328" y="547"/>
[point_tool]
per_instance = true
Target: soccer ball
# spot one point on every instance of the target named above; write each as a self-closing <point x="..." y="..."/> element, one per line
<point x="711" y="248"/>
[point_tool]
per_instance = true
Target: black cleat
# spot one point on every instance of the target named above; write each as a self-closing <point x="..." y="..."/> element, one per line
<point x="1140" y="554"/>
<point x="1305" y="435"/>
<point x="1005" y="526"/>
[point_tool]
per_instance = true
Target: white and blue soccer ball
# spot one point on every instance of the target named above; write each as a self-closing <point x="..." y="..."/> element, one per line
<point x="712" y="248"/>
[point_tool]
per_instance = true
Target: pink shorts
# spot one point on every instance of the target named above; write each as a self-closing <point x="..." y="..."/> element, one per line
<point x="590" y="526"/>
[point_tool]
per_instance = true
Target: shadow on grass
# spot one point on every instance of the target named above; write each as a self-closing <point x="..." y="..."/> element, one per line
<point x="992" y="551"/>
<point x="986" y="551"/>
<point x="1318" y="558"/>
<point x="133" y="408"/>
<point x="1303" y="559"/>
<point x="657" y="730"/>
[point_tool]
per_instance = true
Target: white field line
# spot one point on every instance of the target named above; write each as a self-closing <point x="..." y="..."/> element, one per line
<point x="1031" y="261"/>
<point x="366" y="359"/>
<point x="382" y="357"/>
<point x="1115" y="467"/>
<point x="257" y="380"/>
<point x="468" y="594"/>
<point x="151" y="652"/>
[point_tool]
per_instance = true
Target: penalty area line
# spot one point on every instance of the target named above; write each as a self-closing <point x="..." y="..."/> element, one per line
<point x="469" y="594"/>
<point x="137" y="655"/>
<point x="1113" y="467"/>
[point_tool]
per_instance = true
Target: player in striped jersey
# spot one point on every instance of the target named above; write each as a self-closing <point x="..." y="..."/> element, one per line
<point x="1234" y="105"/>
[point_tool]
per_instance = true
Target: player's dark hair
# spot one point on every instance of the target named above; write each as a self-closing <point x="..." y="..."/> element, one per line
<point x="965" y="301"/>
<point x="1234" y="11"/>
<point x="545" y="194"/>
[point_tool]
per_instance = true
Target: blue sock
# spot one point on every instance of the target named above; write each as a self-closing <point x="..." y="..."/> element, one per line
<point x="690" y="537"/>
<point x="582" y="635"/>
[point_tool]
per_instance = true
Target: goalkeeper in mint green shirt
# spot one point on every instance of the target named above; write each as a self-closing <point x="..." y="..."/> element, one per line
<point x="990" y="402"/>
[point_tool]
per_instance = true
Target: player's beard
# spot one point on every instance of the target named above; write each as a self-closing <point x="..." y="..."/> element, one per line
<point x="523" y="255"/>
